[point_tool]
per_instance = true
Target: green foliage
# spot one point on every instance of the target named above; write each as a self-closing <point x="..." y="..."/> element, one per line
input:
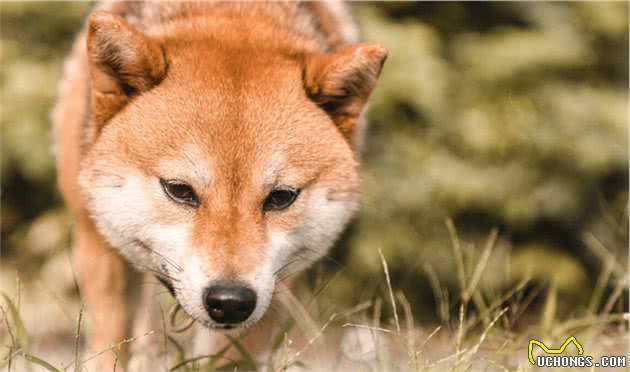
<point x="508" y="115"/>
<point x="35" y="38"/>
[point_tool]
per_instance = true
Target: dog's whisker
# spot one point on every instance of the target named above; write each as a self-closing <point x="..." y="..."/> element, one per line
<point x="166" y="259"/>
<point x="300" y="257"/>
<point x="159" y="284"/>
<point x="157" y="272"/>
<point x="326" y="257"/>
<point x="154" y="283"/>
<point x="144" y="245"/>
<point x="159" y="293"/>
<point x="294" y="272"/>
<point x="286" y="265"/>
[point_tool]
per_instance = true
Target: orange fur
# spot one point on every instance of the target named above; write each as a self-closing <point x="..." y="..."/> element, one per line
<point x="233" y="98"/>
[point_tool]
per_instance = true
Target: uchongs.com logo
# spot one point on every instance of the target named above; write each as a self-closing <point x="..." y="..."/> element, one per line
<point x="554" y="357"/>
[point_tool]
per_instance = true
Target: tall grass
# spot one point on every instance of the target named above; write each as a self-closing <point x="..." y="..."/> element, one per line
<point x="477" y="332"/>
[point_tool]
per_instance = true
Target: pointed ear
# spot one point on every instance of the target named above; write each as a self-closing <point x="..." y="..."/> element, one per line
<point x="342" y="82"/>
<point x="122" y="62"/>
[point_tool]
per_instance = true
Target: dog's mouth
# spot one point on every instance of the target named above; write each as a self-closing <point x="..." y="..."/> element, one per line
<point x="168" y="284"/>
<point x="174" y="324"/>
<point x="183" y="325"/>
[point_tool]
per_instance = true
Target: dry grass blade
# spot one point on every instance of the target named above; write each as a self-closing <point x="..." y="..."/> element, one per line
<point x="430" y="336"/>
<point x="41" y="363"/>
<point x="484" y="334"/>
<point x="285" y="356"/>
<point x="21" y="336"/>
<point x="440" y="299"/>
<point x="77" y="358"/>
<point x="480" y="303"/>
<point x="297" y="311"/>
<point x="549" y="309"/>
<point x="280" y="336"/>
<point x="185" y="362"/>
<point x="604" y="255"/>
<point x="598" y="291"/>
<point x="116" y="346"/>
<point x="426" y="340"/>
<point x="614" y="297"/>
<point x="588" y="322"/>
<point x="248" y="359"/>
<point x="410" y="343"/>
<point x="313" y="339"/>
<point x="457" y="252"/>
<point x="172" y="319"/>
<point x="356" y="309"/>
<point x="408" y="318"/>
<point x="164" y="337"/>
<point x="376" y="322"/>
<point x="116" y="361"/>
<point x="500" y="300"/>
<point x="498" y="365"/>
<point x="5" y="317"/>
<point x="460" y="329"/>
<point x="389" y="288"/>
<point x="378" y="329"/>
<point x="322" y="288"/>
<point x="447" y="358"/>
<point x="180" y="352"/>
<point x="8" y="360"/>
<point x="481" y="265"/>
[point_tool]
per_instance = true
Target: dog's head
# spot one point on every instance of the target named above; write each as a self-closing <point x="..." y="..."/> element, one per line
<point x="222" y="160"/>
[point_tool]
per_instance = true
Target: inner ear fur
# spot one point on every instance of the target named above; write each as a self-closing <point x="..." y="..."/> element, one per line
<point x="122" y="62"/>
<point x="342" y="82"/>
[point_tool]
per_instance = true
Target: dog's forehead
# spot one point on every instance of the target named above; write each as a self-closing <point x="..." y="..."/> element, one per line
<point x="210" y="126"/>
<point x="231" y="93"/>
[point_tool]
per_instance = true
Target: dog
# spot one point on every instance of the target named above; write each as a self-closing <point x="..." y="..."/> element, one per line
<point x="211" y="144"/>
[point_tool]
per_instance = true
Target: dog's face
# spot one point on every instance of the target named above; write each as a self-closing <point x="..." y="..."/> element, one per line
<point x="221" y="167"/>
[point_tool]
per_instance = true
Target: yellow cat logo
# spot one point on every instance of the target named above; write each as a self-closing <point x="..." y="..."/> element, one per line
<point x="553" y="351"/>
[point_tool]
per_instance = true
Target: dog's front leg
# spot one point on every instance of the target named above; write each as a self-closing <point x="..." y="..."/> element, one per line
<point x="103" y="280"/>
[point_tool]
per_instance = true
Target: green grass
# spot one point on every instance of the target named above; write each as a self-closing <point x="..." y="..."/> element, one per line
<point x="477" y="332"/>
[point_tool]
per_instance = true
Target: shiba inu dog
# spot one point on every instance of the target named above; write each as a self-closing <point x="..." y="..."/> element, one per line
<point x="212" y="144"/>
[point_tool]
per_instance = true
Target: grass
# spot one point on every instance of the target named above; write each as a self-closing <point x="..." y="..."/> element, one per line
<point x="478" y="332"/>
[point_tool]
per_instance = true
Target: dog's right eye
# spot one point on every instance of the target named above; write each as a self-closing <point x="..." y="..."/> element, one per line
<point x="180" y="192"/>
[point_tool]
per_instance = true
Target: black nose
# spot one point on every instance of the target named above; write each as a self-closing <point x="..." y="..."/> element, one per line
<point x="229" y="303"/>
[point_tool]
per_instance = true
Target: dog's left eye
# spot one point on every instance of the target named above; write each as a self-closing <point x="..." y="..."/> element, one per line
<point x="280" y="199"/>
<point x="180" y="192"/>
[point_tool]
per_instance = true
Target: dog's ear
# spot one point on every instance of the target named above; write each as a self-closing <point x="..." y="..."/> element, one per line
<point x="342" y="82"/>
<point x="122" y="62"/>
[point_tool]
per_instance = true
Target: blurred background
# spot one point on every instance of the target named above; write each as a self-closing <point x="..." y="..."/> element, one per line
<point x="494" y="115"/>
